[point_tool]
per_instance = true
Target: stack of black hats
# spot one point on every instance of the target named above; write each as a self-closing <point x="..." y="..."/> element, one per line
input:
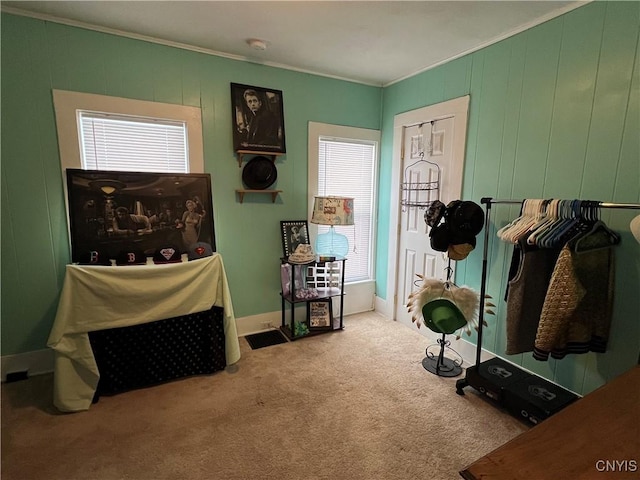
<point x="454" y="227"/>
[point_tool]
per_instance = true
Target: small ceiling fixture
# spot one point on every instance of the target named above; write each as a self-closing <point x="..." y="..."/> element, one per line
<point x="257" y="44"/>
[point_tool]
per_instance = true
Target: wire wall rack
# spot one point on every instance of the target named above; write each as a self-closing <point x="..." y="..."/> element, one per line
<point x="420" y="194"/>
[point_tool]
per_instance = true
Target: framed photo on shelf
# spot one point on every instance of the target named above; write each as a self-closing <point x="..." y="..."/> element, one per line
<point x="258" y="119"/>
<point x="320" y="314"/>
<point x="294" y="233"/>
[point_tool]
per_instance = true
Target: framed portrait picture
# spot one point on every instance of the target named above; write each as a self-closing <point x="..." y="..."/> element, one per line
<point x="258" y="119"/>
<point x="111" y="210"/>
<point x="320" y="315"/>
<point x="294" y="233"/>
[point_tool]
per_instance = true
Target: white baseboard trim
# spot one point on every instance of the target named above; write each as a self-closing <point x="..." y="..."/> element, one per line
<point x="258" y="323"/>
<point x="35" y="363"/>
<point x="41" y="361"/>
<point x="270" y="320"/>
<point x="38" y="362"/>
<point x="359" y="297"/>
<point x="383" y="307"/>
<point x="468" y="352"/>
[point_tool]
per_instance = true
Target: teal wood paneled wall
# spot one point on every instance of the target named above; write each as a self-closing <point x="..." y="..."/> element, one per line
<point x="38" y="56"/>
<point x="554" y="113"/>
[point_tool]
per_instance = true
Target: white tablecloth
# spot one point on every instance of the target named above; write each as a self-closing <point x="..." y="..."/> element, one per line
<point x="98" y="298"/>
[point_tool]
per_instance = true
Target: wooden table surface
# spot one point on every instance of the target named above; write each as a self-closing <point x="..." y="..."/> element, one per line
<point x="597" y="437"/>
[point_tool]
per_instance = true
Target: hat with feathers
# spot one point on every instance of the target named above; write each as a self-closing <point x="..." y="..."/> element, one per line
<point x="464" y="298"/>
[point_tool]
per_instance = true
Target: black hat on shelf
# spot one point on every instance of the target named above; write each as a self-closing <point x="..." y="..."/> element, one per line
<point x="259" y="173"/>
<point x="199" y="250"/>
<point x="94" y="257"/>
<point x="167" y="254"/>
<point x="131" y="256"/>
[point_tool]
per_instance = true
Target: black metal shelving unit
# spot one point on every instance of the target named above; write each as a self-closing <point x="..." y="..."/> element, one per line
<point x="324" y="277"/>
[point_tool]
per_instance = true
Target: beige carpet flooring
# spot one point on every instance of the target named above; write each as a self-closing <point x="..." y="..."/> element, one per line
<point x="352" y="404"/>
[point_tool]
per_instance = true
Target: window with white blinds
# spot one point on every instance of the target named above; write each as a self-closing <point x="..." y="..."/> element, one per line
<point x="347" y="167"/>
<point x="101" y="132"/>
<point x="125" y="143"/>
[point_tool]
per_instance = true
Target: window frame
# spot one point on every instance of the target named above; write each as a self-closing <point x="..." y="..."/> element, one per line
<point x="66" y="107"/>
<point x="67" y="104"/>
<point x="318" y="130"/>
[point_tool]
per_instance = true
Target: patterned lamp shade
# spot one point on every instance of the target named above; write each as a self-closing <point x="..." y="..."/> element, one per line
<point x="332" y="211"/>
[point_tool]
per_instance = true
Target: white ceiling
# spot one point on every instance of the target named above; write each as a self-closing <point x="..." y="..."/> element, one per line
<point x="372" y="42"/>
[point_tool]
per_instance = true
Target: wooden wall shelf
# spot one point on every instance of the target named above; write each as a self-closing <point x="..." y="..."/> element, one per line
<point x="242" y="191"/>
<point x="241" y="154"/>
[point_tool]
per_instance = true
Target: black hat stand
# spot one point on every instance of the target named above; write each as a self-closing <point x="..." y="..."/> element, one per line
<point x="441" y="365"/>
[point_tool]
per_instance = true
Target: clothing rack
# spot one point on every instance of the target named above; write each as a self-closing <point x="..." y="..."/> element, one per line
<point x="487" y="202"/>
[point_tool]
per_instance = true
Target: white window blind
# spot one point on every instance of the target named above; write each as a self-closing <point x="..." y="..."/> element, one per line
<point x="346" y="168"/>
<point x="123" y="143"/>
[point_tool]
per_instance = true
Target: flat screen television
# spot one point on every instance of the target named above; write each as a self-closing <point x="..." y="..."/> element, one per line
<point x="111" y="211"/>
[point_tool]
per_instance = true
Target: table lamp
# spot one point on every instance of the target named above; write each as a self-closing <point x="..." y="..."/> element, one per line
<point x="332" y="211"/>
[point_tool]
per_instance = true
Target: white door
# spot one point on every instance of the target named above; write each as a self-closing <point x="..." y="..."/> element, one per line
<point x="431" y="158"/>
